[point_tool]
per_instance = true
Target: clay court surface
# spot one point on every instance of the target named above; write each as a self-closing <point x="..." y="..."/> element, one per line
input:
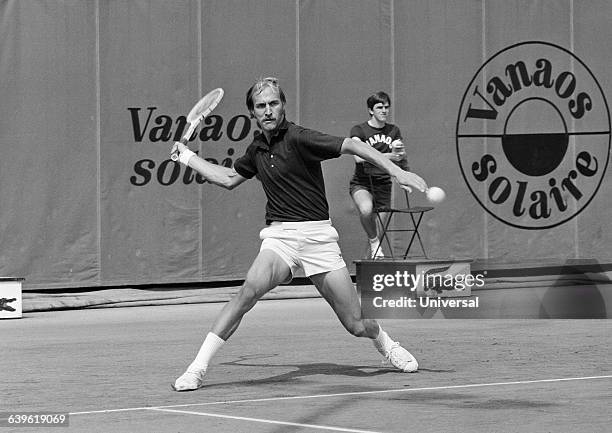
<point x="291" y="367"/>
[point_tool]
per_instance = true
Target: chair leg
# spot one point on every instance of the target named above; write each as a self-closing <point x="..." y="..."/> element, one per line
<point x="415" y="234"/>
<point x="384" y="227"/>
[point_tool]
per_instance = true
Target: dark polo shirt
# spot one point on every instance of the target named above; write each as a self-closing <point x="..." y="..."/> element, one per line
<point x="289" y="169"/>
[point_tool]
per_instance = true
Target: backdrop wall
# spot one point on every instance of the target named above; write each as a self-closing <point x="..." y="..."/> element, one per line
<point x="501" y="103"/>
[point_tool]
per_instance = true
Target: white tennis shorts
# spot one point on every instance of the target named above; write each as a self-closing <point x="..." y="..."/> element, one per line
<point x="311" y="246"/>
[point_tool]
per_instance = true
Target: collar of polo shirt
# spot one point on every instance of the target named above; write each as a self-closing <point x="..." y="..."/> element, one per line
<point x="261" y="141"/>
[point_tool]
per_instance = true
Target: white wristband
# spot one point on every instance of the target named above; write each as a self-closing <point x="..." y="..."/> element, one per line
<point x="185" y="156"/>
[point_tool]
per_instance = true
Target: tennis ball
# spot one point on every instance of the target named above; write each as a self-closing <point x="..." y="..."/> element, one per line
<point x="435" y="195"/>
<point x="397" y="144"/>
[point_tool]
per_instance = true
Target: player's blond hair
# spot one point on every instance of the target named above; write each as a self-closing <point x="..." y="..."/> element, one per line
<point x="259" y="86"/>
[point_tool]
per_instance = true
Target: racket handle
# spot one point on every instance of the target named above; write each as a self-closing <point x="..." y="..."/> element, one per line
<point x="174" y="156"/>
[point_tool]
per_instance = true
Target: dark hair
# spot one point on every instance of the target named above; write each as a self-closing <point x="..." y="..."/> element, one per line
<point x="258" y="86"/>
<point x="378" y="98"/>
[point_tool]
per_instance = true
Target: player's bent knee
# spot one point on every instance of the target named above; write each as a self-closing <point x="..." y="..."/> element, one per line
<point x="356" y="328"/>
<point x="248" y="296"/>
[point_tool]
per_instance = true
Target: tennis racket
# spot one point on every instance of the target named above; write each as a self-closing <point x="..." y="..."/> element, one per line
<point x="199" y="111"/>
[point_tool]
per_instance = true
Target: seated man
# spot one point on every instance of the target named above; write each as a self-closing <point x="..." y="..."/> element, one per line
<point x="370" y="186"/>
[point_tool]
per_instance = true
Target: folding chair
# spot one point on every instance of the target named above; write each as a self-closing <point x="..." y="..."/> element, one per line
<point x="416" y="215"/>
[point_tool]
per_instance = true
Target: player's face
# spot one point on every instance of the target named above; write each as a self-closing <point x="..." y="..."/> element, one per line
<point x="380" y="111"/>
<point x="268" y="109"/>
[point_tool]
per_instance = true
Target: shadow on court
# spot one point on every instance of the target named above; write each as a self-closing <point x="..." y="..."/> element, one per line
<point x="303" y="371"/>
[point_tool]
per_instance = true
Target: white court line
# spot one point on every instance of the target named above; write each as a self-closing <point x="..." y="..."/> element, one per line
<point x="384" y="391"/>
<point x="266" y="421"/>
<point x="387" y="391"/>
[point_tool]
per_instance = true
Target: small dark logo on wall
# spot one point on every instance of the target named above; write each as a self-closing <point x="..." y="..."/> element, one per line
<point x="533" y="135"/>
<point x="4" y="304"/>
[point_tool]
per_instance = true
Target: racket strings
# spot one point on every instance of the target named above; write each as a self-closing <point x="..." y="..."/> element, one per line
<point x="205" y="105"/>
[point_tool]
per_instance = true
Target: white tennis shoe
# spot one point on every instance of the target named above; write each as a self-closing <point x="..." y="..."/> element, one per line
<point x="377" y="253"/>
<point x="189" y="381"/>
<point x="399" y="357"/>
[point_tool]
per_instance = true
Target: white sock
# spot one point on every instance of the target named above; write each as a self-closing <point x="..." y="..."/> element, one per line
<point x="383" y="340"/>
<point x="374" y="244"/>
<point x="212" y="343"/>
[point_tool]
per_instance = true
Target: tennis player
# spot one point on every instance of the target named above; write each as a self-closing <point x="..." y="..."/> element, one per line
<point x="370" y="186"/>
<point x="286" y="158"/>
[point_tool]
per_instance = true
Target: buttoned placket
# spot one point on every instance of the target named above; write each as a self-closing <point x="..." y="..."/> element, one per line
<point x="268" y="147"/>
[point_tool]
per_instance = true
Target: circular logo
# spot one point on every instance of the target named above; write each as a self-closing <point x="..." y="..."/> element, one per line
<point x="533" y="135"/>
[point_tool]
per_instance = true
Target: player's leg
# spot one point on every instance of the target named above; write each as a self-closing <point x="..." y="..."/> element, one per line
<point x="267" y="271"/>
<point x="337" y="289"/>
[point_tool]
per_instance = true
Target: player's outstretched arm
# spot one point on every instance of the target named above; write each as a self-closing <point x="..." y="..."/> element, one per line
<point x="405" y="179"/>
<point x="219" y="175"/>
<point x="392" y="156"/>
